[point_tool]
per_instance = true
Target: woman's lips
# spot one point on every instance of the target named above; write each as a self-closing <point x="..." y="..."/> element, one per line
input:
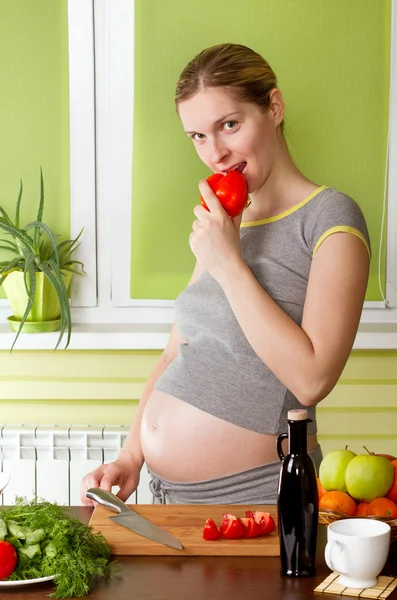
<point x="240" y="167"/>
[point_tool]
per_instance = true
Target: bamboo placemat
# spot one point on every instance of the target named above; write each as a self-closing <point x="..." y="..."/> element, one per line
<point x="331" y="585"/>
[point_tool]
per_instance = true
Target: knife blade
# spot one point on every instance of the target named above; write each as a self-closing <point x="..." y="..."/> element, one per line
<point x="131" y="520"/>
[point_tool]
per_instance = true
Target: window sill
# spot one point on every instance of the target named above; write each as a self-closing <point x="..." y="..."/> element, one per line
<point x="376" y="336"/>
<point x="93" y="336"/>
<point x="146" y="336"/>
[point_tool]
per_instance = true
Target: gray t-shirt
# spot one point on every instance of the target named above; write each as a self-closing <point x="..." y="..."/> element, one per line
<point x="217" y="370"/>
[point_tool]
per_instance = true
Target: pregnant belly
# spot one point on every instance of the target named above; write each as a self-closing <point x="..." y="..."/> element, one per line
<point x="183" y="443"/>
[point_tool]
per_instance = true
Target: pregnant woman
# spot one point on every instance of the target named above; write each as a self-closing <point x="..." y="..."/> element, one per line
<point x="269" y="316"/>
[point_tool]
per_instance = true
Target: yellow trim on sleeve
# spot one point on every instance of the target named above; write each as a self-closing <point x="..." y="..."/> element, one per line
<point x="343" y="229"/>
<point x="286" y="212"/>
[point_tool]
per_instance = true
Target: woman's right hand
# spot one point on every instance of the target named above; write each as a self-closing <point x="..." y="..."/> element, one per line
<point x="123" y="473"/>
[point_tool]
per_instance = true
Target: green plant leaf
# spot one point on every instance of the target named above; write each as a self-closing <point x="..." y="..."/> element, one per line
<point x="6" y="248"/>
<point x="63" y="299"/>
<point x="18" y="205"/>
<point x="73" y="271"/>
<point x="11" y="263"/>
<point x="6" y="217"/>
<point x="29" y="261"/>
<point x="19" y="234"/>
<point x="48" y="271"/>
<point x="7" y="267"/>
<point x="45" y="251"/>
<point x="40" y="211"/>
<point x="48" y="231"/>
<point x="66" y="251"/>
<point x="66" y="267"/>
<point x="29" y="304"/>
<point x="66" y="248"/>
<point x="41" y="205"/>
<point x="6" y="263"/>
<point x="26" y="252"/>
<point x="12" y="246"/>
<point x="72" y="241"/>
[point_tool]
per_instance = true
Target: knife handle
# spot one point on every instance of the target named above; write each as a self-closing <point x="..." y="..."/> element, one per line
<point x="107" y="499"/>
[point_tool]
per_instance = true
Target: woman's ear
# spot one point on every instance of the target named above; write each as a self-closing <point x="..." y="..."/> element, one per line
<point x="276" y="106"/>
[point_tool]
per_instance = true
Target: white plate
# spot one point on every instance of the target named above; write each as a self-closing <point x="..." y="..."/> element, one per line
<point x="25" y="581"/>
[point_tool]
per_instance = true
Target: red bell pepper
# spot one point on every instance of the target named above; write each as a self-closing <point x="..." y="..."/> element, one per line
<point x="231" y="190"/>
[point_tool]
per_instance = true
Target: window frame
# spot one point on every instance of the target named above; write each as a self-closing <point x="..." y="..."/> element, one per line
<point x="119" y="114"/>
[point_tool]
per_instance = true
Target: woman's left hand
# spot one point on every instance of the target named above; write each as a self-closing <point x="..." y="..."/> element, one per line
<point x="215" y="239"/>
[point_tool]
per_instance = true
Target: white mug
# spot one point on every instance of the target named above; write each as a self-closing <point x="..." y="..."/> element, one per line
<point x="357" y="549"/>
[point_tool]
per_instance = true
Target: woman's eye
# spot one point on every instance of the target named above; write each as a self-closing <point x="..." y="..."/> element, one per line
<point x="230" y="125"/>
<point x="197" y="137"/>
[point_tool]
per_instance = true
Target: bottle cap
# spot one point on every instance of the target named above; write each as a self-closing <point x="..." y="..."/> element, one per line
<point x="297" y="414"/>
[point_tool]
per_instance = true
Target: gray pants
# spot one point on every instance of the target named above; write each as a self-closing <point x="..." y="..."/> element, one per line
<point x="255" y="486"/>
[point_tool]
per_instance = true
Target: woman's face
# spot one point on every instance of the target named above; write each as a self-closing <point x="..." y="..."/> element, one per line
<point x="229" y="133"/>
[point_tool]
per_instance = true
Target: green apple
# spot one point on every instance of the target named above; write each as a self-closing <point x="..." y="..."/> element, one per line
<point x="369" y="477"/>
<point x="332" y="469"/>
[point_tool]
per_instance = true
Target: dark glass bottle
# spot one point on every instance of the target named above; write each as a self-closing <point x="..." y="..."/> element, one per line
<point x="297" y="500"/>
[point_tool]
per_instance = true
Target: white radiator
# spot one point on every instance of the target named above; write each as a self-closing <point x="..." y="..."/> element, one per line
<point x="50" y="460"/>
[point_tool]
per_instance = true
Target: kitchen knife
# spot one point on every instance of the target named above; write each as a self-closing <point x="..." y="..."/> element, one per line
<point x="131" y="520"/>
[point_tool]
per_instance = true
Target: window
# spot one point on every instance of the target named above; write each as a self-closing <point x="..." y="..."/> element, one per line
<point x="101" y="62"/>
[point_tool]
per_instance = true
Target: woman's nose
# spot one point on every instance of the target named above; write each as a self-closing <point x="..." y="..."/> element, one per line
<point x="219" y="152"/>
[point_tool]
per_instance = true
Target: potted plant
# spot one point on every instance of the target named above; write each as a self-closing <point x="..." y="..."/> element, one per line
<point x="37" y="277"/>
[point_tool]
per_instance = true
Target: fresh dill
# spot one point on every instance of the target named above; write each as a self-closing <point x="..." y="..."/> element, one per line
<point x="49" y="542"/>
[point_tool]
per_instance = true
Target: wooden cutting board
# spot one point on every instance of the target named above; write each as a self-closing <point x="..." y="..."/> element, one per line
<point x="186" y="523"/>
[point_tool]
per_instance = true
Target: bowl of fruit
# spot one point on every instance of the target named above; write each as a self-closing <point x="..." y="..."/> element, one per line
<point x="358" y="485"/>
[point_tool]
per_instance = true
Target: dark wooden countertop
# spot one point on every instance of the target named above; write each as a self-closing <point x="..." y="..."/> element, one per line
<point x="200" y="578"/>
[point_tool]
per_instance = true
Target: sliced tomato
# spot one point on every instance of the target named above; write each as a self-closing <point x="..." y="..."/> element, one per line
<point x="231" y="527"/>
<point x="250" y="527"/>
<point x="8" y="559"/>
<point x="264" y="519"/>
<point x="211" y="531"/>
<point x="268" y="524"/>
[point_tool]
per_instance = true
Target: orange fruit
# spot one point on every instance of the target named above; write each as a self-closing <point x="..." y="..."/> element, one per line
<point x="383" y="507"/>
<point x="339" y="502"/>
<point x="392" y="493"/>
<point x="321" y="490"/>
<point x="362" y="509"/>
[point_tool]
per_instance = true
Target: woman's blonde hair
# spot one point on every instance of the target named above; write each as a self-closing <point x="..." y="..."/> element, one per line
<point x="244" y="72"/>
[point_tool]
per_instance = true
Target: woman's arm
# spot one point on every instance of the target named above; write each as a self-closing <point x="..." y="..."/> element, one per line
<point x="309" y="359"/>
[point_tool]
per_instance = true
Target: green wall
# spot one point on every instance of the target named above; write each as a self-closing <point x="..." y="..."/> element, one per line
<point x="105" y="387"/>
<point x="34" y="110"/>
<point x="332" y="63"/>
